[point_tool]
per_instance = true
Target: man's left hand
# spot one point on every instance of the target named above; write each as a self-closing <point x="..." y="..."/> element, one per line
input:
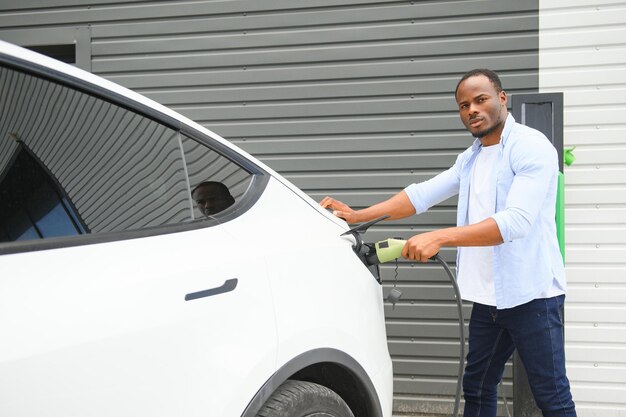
<point x="422" y="247"/>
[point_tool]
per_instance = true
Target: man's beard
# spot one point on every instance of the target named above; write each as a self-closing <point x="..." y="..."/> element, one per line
<point x="481" y="134"/>
<point x="487" y="131"/>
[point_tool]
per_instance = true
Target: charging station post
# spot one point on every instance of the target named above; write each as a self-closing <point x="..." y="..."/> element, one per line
<point x="544" y="112"/>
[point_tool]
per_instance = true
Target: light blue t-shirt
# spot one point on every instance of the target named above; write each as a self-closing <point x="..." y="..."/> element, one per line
<point x="529" y="262"/>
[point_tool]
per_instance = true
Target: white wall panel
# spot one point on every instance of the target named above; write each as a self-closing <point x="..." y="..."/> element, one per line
<point x="583" y="53"/>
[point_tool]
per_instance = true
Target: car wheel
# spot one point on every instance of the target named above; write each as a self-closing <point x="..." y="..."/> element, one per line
<point x="304" y="399"/>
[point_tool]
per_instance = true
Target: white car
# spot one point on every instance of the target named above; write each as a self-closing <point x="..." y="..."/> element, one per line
<point x="127" y="290"/>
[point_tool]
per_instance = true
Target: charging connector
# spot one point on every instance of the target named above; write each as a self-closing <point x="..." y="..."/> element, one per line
<point x="391" y="249"/>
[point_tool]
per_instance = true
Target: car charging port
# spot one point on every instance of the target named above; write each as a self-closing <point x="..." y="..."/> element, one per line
<point x="366" y="252"/>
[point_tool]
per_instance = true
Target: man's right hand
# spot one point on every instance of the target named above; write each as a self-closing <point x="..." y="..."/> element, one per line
<point x="340" y="209"/>
<point x="398" y="207"/>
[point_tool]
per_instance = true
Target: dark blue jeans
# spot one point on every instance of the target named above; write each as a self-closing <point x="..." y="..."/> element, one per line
<point x="535" y="329"/>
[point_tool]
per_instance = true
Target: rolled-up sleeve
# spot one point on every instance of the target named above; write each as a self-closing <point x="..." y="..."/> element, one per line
<point x="535" y="166"/>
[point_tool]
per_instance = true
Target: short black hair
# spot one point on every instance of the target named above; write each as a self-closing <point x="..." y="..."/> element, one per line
<point x="218" y="186"/>
<point x="493" y="77"/>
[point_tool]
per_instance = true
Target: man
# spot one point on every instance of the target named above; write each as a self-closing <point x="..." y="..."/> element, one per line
<point x="508" y="261"/>
<point x="211" y="197"/>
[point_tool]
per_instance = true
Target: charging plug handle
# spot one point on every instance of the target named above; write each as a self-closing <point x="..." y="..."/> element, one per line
<point x="389" y="249"/>
<point x="384" y="251"/>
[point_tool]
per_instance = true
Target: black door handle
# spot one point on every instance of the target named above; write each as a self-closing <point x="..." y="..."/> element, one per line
<point x="228" y="286"/>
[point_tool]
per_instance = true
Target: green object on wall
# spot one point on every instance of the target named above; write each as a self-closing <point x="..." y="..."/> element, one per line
<point x="568" y="156"/>
<point x="568" y="159"/>
<point x="560" y="214"/>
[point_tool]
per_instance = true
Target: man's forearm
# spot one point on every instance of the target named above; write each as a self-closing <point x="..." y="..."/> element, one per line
<point x="485" y="233"/>
<point x="397" y="207"/>
<point x="425" y="245"/>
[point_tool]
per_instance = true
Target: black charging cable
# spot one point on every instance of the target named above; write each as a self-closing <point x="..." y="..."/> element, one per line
<point x="459" y="306"/>
<point x="395" y="294"/>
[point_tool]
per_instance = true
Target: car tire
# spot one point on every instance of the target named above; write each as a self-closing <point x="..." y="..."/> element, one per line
<point x="304" y="399"/>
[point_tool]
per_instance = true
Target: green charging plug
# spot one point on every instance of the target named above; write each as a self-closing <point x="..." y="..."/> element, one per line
<point x="389" y="249"/>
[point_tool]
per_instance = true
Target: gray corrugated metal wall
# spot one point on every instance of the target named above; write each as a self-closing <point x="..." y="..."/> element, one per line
<point x="348" y="98"/>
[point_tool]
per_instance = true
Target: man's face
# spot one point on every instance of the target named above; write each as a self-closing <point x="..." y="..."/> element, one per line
<point x="481" y="107"/>
<point x="211" y="200"/>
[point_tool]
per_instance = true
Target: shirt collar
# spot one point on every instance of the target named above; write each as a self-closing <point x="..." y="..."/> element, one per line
<point x="508" y="126"/>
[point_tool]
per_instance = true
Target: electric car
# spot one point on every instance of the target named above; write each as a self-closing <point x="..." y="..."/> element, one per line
<point x="126" y="291"/>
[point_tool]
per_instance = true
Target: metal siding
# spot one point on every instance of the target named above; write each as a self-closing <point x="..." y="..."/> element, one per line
<point x="583" y="54"/>
<point x="348" y="98"/>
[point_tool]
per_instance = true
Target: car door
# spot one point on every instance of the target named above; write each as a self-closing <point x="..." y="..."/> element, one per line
<point x="117" y="295"/>
<point x="138" y="326"/>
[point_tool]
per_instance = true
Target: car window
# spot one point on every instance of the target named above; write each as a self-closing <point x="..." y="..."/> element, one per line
<point x="72" y="163"/>
<point x="211" y="175"/>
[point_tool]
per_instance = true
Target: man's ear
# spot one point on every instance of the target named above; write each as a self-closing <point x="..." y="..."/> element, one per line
<point x="502" y="96"/>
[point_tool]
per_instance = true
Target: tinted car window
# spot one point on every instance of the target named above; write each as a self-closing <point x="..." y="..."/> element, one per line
<point x="72" y="163"/>
<point x="31" y="205"/>
<point x="205" y="165"/>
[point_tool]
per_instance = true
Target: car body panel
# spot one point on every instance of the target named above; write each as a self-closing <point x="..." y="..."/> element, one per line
<point x="105" y="329"/>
